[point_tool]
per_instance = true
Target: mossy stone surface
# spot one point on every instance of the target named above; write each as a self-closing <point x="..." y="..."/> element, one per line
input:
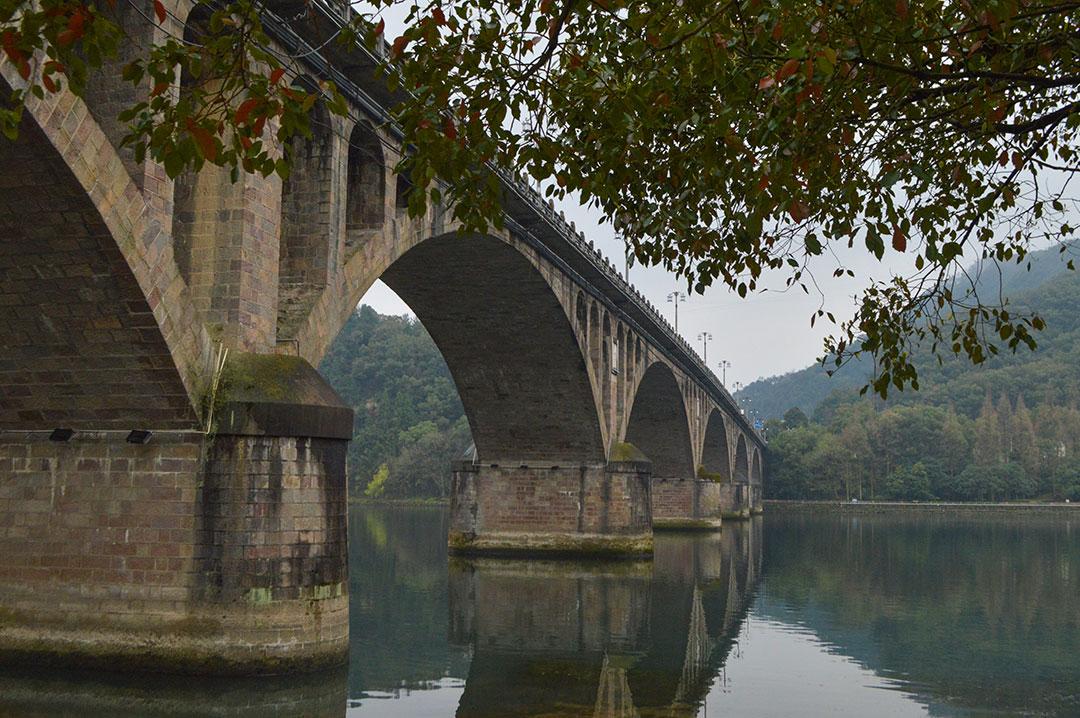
<point x="278" y="395"/>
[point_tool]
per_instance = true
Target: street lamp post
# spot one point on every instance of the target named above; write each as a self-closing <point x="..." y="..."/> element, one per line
<point x="724" y="364"/>
<point x="675" y="298"/>
<point x="705" y="337"/>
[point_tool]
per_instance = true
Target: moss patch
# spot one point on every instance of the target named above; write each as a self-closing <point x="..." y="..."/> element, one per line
<point x="714" y="476"/>
<point x="625" y="451"/>
<point x="265" y="378"/>
<point x="686" y="524"/>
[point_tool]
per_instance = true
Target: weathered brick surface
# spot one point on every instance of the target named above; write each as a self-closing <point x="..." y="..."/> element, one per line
<point x="560" y="509"/>
<point x="228" y="555"/>
<point x="735" y="500"/>
<point x="79" y="344"/>
<point x="686" y="503"/>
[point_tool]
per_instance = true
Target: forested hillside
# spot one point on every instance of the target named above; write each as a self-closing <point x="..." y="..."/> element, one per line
<point x="1008" y="429"/>
<point x="1048" y="287"/>
<point x="409" y="420"/>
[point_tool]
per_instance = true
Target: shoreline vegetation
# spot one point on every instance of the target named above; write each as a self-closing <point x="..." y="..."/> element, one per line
<point x="928" y="507"/>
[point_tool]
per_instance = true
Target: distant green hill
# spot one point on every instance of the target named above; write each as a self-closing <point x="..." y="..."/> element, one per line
<point x="408" y="414"/>
<point x="1043" y="376"/>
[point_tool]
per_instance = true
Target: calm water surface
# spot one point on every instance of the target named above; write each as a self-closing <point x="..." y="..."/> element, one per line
<point x="779" y="616"/>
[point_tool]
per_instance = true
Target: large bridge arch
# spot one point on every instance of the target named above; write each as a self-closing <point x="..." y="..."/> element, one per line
<point x="103" y="334"/>
<point x="715" y="451"/>
<point x="658" y="424"/>
<point x="510" y="346"/>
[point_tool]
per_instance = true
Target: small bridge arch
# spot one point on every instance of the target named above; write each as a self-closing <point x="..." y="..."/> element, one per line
<point x="658" y="425"/>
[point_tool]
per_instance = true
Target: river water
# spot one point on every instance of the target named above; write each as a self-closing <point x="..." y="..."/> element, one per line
<point x="779" y="616"/>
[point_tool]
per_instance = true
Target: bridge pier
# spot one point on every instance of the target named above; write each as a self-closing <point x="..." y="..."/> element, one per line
<point x="220" y="553"/>
<point x="735" y="500"/>
<point x="686" y="504"/>
<point x="594" y="510"/>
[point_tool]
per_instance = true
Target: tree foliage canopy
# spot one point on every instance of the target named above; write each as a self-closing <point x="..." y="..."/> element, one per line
<point x="723" y="139"/>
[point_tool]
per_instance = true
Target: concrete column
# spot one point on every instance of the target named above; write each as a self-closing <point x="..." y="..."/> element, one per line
<point x="686" y="504"/>
<point x="219" y="553"/>
<point x="599" y="510"/>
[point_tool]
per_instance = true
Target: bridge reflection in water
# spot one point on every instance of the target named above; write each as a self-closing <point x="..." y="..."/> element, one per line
<point x="610" y="640"/>
<point x="529" y="637"/>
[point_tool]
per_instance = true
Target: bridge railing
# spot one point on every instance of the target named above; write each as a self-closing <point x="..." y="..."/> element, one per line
<point x="663" y="334"/>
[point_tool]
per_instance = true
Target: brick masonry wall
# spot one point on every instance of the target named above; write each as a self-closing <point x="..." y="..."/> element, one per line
<point x="686" y="502"/>
<point x="119" y="553"/>
<point x="561" y="509"/>
<point x="735" y="500"/>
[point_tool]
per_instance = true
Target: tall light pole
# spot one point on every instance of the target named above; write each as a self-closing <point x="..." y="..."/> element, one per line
<point x="724" y="364"/>
<point x="704" y="337"/>
<point x="675" y="298"/>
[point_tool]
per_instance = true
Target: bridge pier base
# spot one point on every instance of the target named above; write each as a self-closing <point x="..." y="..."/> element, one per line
<point x="599" y="510"/>
<point x="686" y="504"/>
<point x="221" y="553"/>
<point x="735" y="500"/>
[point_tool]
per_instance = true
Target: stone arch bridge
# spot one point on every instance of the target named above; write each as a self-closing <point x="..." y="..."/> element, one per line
<point x="172" y="468"/>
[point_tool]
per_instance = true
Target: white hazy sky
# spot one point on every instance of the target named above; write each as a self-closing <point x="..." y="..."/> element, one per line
<point x="765" y="334"/>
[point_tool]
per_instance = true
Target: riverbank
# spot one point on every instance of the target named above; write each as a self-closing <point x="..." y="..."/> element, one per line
<point x="774" y="506"/>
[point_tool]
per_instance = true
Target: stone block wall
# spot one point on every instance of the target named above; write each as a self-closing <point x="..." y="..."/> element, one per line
<point x="222" y="554"/>
<point x="686" y="504"/>
<point x="575" y="509"/>
<point x="735" y="500"/>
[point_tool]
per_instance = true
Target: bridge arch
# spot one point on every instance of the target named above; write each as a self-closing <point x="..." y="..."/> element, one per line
<point x="510" y="347"/>
<point x="658" y="423"/>
<point x="715" y="454"/>
<point x="755" y="468"/>
<point x="742" y="461"/>
<point x="91" y="343"/>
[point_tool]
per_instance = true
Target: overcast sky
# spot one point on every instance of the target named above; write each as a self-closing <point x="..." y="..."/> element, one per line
<point x="765" y="334"/>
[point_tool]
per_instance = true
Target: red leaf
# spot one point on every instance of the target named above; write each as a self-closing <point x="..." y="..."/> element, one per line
<point x="399" y="46"/>
<point x="380" y="27"/>
<point x="765" y="83"/>
<point x="786" y="70"/>
<point x="276" y="75"/>
<point x="449" y="129"/>
<point x="545" y="6"/>
<point x="763" y="183"/>
<point x="75" y="23"/>
<point x="245" y="109"/>
<point x="24" y="70"/>
<point x="902" y="9"/>
<point x="777" y="32"/>
<point x="205" y="141"/>
<point x="798" y="210"/>
<point x="159" y="10"/>
<point x="899" y="239"/>
<point x="440" y="18"/>
<point x="49" y="84"/>
<point x="159" y="88"/>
